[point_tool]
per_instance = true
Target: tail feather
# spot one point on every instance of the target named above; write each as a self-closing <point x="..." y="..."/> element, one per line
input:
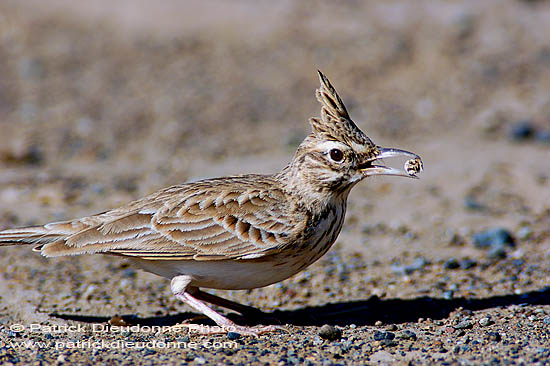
<point x="28" y="236"/>
<point x="82" y="236"/>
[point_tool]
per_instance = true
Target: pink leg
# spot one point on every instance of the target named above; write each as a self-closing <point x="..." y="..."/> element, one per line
<point x="179" y="288"/>
<point x="228" y="304"/>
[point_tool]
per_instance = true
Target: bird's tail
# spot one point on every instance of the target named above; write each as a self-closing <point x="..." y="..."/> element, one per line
<point x="31" y="235"/>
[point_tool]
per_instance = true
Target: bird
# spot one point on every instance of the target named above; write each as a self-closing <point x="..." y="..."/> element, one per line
<point x="237" y="232"/>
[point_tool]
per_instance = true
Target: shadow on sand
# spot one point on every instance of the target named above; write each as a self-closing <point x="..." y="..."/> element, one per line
<point x="362" y="312"/>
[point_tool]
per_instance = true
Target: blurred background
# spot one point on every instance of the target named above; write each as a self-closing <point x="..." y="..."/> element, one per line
<point x="102" y="103"/>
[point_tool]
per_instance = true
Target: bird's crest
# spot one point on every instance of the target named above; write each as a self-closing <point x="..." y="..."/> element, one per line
<point x="335" y="122"/>
<point x="332" y="106"/>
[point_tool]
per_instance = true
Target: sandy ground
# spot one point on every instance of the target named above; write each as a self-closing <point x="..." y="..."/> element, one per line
<point x="101" y="104"/>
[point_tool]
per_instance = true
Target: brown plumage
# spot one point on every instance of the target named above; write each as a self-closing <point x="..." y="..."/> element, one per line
<point x="235" y="232"/>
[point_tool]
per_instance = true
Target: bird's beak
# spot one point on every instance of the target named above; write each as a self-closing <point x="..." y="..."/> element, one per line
<point x="410" y="168"/>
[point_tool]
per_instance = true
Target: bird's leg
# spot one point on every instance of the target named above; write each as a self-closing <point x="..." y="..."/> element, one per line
<point x="228" y="304"/>
<point x="179" y="286"/>
<point x="244" y="310"/>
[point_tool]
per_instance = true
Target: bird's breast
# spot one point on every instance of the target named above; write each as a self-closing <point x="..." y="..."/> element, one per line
<point x="323" y="232"/>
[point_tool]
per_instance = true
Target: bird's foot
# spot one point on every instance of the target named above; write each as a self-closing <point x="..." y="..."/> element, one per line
<point x="255" y="331"/>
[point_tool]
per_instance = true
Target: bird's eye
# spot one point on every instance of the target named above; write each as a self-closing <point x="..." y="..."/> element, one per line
<point x="336" y="155"/>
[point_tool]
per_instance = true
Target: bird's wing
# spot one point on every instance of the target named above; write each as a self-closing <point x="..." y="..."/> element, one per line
<point x="190" y="222"/>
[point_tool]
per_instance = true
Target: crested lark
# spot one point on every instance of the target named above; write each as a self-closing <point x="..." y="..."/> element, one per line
<point x="238" y="232"/>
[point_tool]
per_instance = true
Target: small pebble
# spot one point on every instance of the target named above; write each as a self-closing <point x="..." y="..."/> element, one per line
<point x="451" y="263"/>
<point x="494" y="336"/>
<point x="233" y="335"/>
<point x="417" y="264"/>
<point x="465" y="324"/>
<point x="461" y="349"/>
<point x="493" y="237"/>
<point x="378" y="323"/>
<point x="449" y="330"/>
<point x="330" y="332"/>
<point x="518" y="263"/>
<point x="448" y="295"/>
<point x="467" y="263"/>
<point x="117" y="321"/>
<point x="485" y="321"/>
<point x="129" y="273"/>
<point x="406" y="334"/>
<point x="200" y="360"/>
<point x="388" y="343"/>
<point x="471" y="204"/>
<point x="379" y="335"/>
<point x="521" y="131"/>
<point x="455" y="239"/>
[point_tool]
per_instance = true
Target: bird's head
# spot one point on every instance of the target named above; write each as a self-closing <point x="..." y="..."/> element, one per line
<point x="337" y="154"/>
